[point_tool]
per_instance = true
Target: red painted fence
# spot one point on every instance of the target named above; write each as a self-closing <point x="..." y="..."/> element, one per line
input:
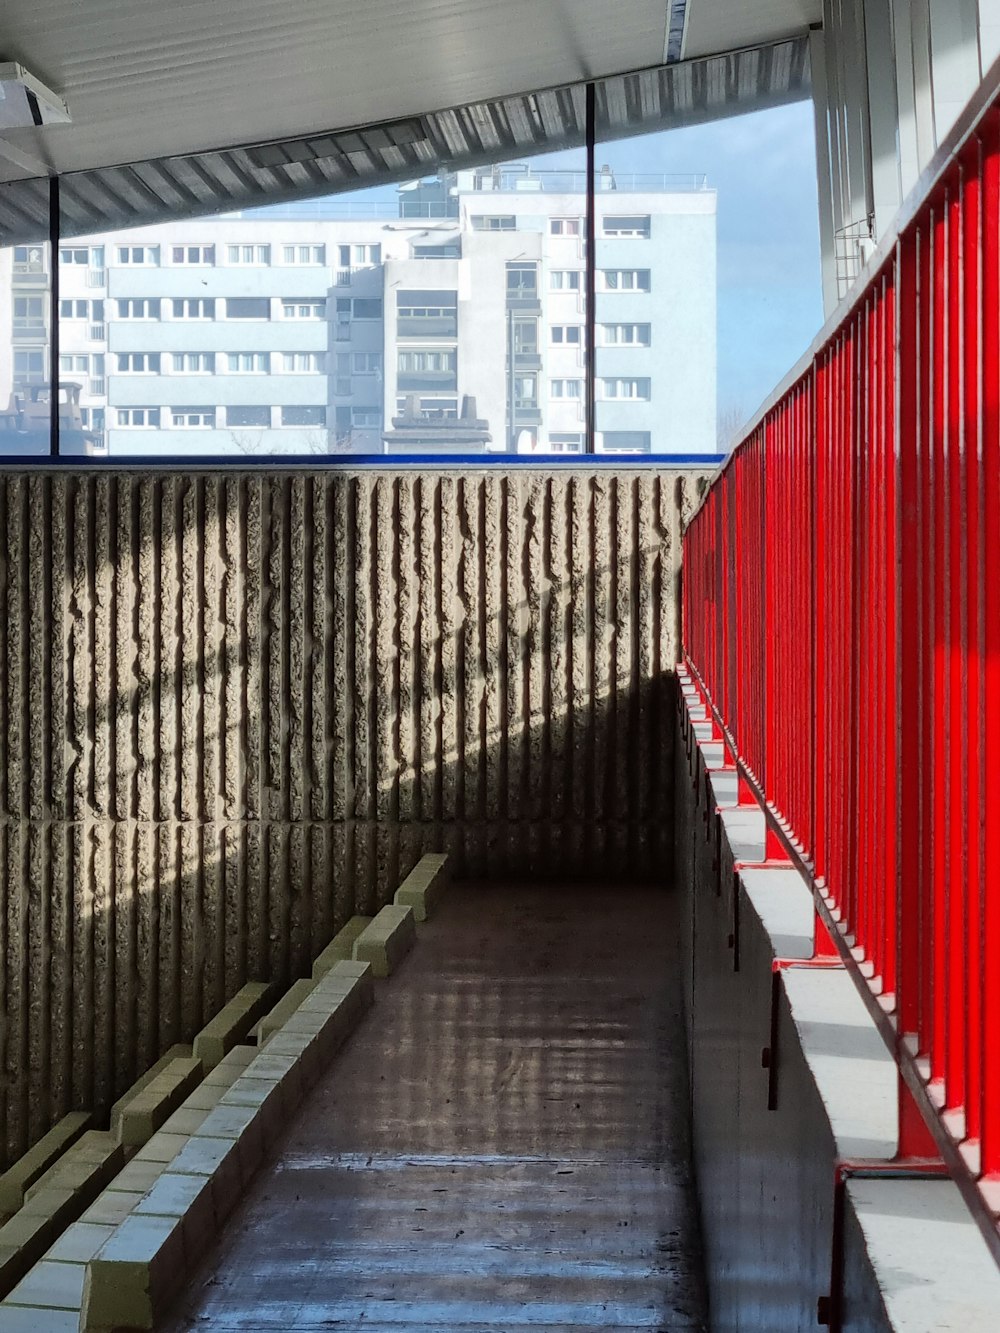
<point x="842" y="613"/>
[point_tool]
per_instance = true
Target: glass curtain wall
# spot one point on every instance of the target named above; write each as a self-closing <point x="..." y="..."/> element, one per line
<point x="25" y="327"/>
<point x="444" y="316"/>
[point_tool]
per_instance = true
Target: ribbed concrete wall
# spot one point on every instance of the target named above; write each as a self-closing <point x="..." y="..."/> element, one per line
<point x="235" y="708"/>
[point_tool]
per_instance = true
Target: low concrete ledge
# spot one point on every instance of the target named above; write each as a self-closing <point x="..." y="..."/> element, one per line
<point x="931" y="1265"/>
<point x="386" y="940"/>
<point x="144" y="1113"/>
<point x="178" y="1052"/>
<point x="54" y="1201"/>
<point x="135" y="1273"/>
<point x="283" y="1010"/>
<point x="341" y="947"/>
<point x="92" y="1160"/>
<point x="37" y="1160"/>
<point x="425" y="885"/>
<point x="768" y="1132"/>
<point x="232" y="1023"/>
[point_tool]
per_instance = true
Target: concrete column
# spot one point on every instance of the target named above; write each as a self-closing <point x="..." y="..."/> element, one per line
<point x="854" y="62"/>
<point x="884" y="114"/>
<point x="835" y="112"/>
<point x="824" y="169"/>
<point x="923" y="88"/>
<point x="954" y="27"/>
<point x="909" y="155"/>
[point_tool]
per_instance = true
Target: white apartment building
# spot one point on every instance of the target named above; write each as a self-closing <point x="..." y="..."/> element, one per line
<point x="301" y="329"/>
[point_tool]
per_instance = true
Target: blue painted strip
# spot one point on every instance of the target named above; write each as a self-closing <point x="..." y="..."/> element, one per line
<point x="346" y="462"/>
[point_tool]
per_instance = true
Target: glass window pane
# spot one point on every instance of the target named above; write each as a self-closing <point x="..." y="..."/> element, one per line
<point x="708" y="280"/>
<point x="25" y="325"/>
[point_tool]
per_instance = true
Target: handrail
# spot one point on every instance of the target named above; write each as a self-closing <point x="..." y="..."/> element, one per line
<point x="984" y="99"/>
<point x="842" y="613"/>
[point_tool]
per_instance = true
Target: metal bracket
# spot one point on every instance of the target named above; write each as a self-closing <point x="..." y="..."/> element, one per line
<point x="830" y="1307"/>
<point x="769" y="1054"/>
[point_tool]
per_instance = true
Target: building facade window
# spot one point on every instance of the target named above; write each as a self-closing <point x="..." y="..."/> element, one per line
<point x="93" y="310"/>
<point x="192" y="418"/>
<point x="30" y="367"/>
<point x="303" y="254"/>
<point x="248" y="363"/>
<point x="303" y="416"/>
<point x="623" y="279"/>
<point x="565" y="280"/>
<point x="354" y="255"/>
<point x="198" y="307"/>
<point x="565" y="226"/>
<point x="431" y="313"/>
<point x="139" y="363"/>
<point x="29" y="311"/>
<point x="494" y="222"/>
<point x="79" y="362"/>
<point x="566" y="389"/>
<point x="522" y="281"/>
<point x="625" y="388"/>
<point x="567" y="335"/>
<point x="526" y="337"/>
<point x="636" y="226"/>
<point x="147" y="256"/>
<point x="366" y="309"/>
<point x="144" y="418"/>
<point x="626" y="441"/>
<point x="625" y="335"/>
<point x="69" y="255"/>
<point x="198" y="255"/>
<point x="257" y="256"/>
<point x="139" y="307"/>
<point x="568" y="443"/>
<point x="302" y="363"/>
<point x="248" y="416"/>
<point x="193" y="363"/>
<point x="304" y="309"/>
<point x="366" y="418"/>
<point x="366" y="363"/>
<point x="526" y="391"/>
<point x="427" y="368"/>
<point x="248" y="307"/>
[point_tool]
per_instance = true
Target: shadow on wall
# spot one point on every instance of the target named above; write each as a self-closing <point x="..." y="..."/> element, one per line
<point x="236" y="708"/>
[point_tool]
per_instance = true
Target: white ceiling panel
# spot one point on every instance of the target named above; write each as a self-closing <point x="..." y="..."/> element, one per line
<point x="149" y="78"/>
<point x="506" y="128"/>
<point x="726" y="25"/>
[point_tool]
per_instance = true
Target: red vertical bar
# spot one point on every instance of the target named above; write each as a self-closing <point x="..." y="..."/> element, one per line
<point x="989" y="638"/>
<point x="908" y="633"/>
<point x="970" y="785"/>
<point x="890" y="720"/>
<point x="954" y="601"/>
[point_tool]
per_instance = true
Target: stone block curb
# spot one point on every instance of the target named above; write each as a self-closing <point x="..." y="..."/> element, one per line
<point x="37" y="1160"/>
<point x="425" y="885"/>
<point x="232" y="1023"/>
<point x="340" y="948"/>
<point x="387" y="939"/>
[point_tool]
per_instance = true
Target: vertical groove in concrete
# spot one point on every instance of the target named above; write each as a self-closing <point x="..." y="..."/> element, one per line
<point x="236" y="707"/>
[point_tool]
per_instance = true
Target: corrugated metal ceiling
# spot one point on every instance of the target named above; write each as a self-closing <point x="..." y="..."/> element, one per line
<point x="470" y="135"/>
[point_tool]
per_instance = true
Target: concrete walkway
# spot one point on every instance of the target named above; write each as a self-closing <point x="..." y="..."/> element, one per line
<point x="502" y="1145"/>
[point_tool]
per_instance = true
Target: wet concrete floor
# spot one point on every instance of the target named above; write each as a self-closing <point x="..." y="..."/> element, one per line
<point x="502" y="1145"/>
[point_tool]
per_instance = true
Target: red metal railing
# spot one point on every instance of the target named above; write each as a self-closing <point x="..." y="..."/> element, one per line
<point x="842" y="615"/>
